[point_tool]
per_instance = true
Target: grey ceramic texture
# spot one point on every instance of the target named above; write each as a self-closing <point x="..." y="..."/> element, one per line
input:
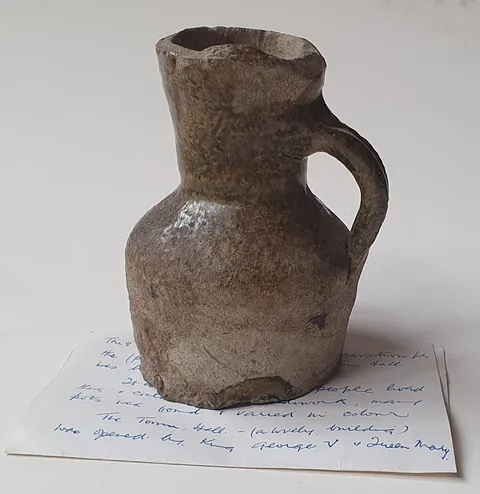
<point x="241" y="282"/>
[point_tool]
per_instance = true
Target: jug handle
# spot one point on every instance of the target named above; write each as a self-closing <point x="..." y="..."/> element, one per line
<point x="331" y="136"/>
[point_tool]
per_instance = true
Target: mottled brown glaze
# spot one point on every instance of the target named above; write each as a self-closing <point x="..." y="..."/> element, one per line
<point x="241" y="282"/>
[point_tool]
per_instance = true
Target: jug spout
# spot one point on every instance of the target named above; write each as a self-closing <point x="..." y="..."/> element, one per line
<point x="232" y="93"/>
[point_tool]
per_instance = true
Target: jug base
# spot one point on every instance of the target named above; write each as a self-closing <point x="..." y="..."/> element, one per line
<point x="255" y="391"/>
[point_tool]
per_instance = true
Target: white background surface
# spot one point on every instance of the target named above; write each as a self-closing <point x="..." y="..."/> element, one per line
<point x="86" y="147"/>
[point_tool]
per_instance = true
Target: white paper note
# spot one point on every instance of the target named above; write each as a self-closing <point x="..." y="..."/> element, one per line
<point x="383" y="411"/>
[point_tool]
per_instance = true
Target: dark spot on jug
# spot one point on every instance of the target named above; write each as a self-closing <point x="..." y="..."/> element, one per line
<point x="152" y="291"/>
<point x="319" y="321"/>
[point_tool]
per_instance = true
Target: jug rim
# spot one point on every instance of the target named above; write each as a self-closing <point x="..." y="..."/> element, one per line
<point x="204" y="42"/>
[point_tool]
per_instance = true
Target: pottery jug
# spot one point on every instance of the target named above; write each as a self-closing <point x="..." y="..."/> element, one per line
<point x="241" y="282"/>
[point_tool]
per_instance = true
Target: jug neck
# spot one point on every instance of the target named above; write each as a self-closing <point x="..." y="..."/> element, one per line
<point x="223" y="155"/>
